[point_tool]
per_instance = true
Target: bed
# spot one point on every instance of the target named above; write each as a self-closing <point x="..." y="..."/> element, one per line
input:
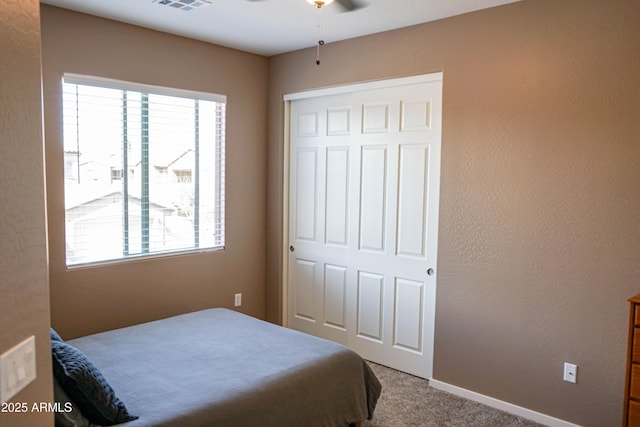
<point x="218" y="367"/>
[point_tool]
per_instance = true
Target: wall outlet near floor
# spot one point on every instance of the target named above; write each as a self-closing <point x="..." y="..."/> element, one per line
<point x="570" y="372"/>
<point x="237" y="300"/>
<point x="17" y="368"/>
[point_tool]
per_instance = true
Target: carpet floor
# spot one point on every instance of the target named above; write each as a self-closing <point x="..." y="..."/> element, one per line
<point x="407" y="401"/>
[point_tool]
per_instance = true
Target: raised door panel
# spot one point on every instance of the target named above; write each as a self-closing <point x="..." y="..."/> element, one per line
<point x="306" y="194"/>
<point x="373" y="185"/>
<point x="308" y="124"/>
<point x="412" y="201"/>
<point x="375" y="118"/>
<point x="303" y="280"/>
<point x="339" y="121"/>
<point x="370" y="306"/>
<point x="408" y="315"/>
<point x="415" y="116"/>
<point x="337" y="196"/>
<point x="335" y="289"/>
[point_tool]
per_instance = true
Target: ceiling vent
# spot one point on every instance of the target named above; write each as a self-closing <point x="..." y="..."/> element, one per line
<point x="185" y="5"/>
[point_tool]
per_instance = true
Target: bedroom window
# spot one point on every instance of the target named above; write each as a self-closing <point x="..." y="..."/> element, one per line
<point x="143" y="170"/>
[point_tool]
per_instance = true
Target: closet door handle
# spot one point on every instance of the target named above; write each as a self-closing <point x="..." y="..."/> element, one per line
<point x="291" y="248"/>
<point x="430" y="272"/>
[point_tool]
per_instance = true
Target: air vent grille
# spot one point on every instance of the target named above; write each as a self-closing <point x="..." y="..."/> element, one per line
<point x="185" y="5"/>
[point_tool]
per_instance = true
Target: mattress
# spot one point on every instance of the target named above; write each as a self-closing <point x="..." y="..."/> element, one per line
<point x="217" y="367"/>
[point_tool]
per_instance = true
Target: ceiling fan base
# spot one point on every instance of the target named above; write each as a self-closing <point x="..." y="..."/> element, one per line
<point x="319" y="3"/>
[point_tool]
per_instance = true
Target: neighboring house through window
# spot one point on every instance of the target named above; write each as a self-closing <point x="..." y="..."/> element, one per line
<point x="171" y="145"/>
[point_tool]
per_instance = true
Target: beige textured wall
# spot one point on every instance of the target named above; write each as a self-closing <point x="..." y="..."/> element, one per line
<point x="99" y="298"/>
<point x="24" y="287"/>
<point x="539" y="243"/>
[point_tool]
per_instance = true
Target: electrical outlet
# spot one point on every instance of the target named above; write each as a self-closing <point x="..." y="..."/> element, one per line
<point x="237" y="302"/>
<point x="17" y="368"/>
<point x="570" y="372"/>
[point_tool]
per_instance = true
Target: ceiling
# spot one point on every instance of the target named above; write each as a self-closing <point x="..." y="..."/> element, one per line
<point x="271" y="27"/>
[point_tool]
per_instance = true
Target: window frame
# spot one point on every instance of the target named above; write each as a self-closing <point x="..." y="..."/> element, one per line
<point x="220" y="167"/>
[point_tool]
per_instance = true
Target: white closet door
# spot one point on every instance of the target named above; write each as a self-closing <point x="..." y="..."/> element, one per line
<point x="363" y="214"/>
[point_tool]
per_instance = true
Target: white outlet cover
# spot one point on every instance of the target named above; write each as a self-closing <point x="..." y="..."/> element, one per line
<point x="17" y="368"/>
<point x="570" y="373"/>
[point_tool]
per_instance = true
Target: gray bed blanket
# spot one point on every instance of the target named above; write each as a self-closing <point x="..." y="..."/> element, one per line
<point x="218" y="367"/>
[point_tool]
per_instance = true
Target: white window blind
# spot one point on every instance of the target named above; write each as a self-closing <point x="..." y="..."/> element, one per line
<point x="143" y="170"/>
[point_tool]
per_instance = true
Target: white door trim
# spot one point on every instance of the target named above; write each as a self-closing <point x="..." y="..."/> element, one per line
<point x="373" y="84"/>
<point x="284" y="286"/>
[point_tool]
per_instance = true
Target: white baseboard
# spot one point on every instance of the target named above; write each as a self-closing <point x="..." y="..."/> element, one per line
<point x="502" y="405"/>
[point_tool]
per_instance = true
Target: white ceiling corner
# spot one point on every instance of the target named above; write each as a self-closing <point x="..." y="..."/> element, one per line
<point x="271" y="27"/>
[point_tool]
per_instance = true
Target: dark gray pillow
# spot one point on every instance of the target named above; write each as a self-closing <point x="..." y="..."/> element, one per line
<point x="67" y="414"/>
<point x="54" y="335"/>
<point x="86" y="386"/>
